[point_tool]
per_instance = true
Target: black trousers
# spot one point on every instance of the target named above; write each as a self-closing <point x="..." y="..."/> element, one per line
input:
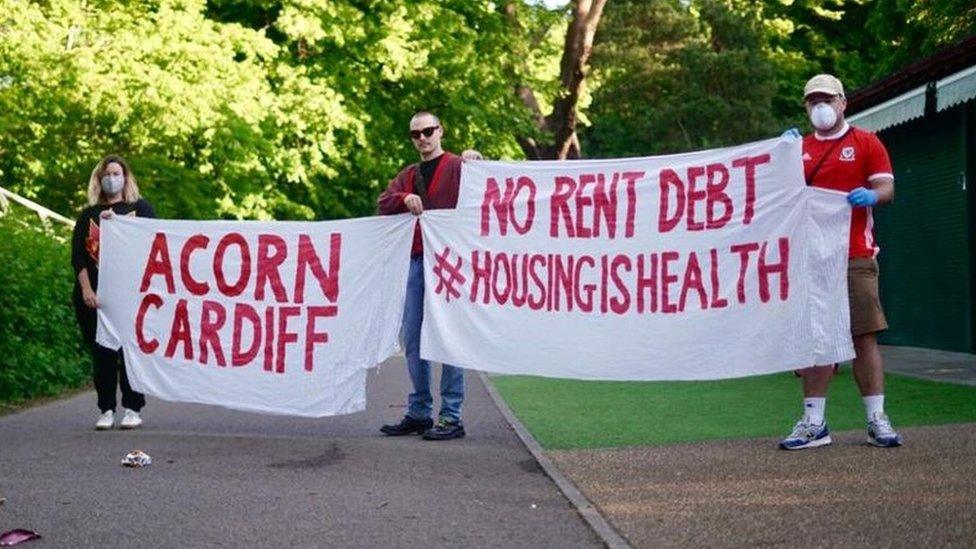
<point x="109" y="365"/>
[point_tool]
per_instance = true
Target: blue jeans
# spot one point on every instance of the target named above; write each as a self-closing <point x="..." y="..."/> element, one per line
<point x="421" y="403"/>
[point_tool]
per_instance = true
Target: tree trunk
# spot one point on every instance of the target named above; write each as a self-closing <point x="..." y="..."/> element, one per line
<point x="561" y="123"/>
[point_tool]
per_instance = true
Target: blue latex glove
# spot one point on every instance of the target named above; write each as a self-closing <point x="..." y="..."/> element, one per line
<point x="792" y="132"/>
<point x="862" y="197"/>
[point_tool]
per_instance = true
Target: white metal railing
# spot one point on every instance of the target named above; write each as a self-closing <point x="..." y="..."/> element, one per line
<point x="42" y="212"/>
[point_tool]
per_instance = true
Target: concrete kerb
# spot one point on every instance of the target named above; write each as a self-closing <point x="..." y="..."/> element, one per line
<point x="583" y="506"/>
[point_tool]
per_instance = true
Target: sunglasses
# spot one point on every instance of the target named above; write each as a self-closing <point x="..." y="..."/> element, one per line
<point x="426" y="132"/>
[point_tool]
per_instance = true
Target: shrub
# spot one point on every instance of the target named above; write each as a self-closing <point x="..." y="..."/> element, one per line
<point x="41" y="351"/>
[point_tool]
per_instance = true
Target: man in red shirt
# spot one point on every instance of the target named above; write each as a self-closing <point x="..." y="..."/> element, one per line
<point x="841" y="157"/>
<point x="432" y="183"/>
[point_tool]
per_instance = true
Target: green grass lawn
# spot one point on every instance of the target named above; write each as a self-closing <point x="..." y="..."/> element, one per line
<point x="568" y="414"/>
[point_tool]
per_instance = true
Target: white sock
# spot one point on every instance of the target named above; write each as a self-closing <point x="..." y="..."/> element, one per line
<point x="813" y="409"/>
<point x="873" y="404"/>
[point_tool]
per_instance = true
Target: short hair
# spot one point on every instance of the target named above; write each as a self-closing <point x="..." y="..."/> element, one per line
<point x="130" y="190"/>
<point x="425" y="113"/>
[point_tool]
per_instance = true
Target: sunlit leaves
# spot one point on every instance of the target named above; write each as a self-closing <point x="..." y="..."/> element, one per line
<point x="249" y="108"/>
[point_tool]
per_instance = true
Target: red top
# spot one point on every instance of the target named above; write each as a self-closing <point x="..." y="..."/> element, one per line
<point x="857" y="160"/>
<point x="442" y="192"/>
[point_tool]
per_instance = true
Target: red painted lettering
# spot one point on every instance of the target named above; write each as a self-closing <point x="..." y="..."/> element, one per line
<point x="647" y="282"/>
<point x="582" y="202"/>
<point x="158" y="264"/>
<point x="692" y="281"/>
<point x="537" y="304"/>
<point x="584" y="303"/>
<point x="481" y="276"/>
<point x="235" y="289"/>
<point x="209" y="325"/>
<point x="244" y="312"/>
<point x="695" y="196"/>
<point x="717" y="301"/>
<point x="718" y="180"/>
<point x="666" y="280"/>
<point x="504" y="206"/>
<point x="631" y="178"/>
<point x="192" y="244"/>
<point x="311" y="336"/>
<point x="782" y="268"/>
<point x="559" y="207"/>
<point x="145" y="345"/>
<point x="743" y="250"/>
<point x="180" y="332"/>
<point x="284" y="336"/>
<point x="670" y="181"/>
<point x="269" y="339"/>
<point x="605" y="205"/>
<point x="749" y="164"/>
<point x="309" y="260"/>
<point x="268" y="264"/>
<point x="620" y="304"/>
<point x="501" y="262"/>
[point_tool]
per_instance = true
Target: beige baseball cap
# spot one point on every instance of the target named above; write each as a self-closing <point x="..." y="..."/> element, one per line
<point x="824" y="83"/>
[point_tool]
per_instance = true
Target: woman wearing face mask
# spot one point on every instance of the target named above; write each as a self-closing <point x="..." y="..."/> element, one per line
<point x="111" y="188"/>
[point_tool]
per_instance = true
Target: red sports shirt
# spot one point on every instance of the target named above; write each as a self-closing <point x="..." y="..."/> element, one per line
<point x="857" y="160"/>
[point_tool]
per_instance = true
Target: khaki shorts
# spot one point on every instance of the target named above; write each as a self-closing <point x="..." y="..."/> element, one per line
<point x="867" y="316"/>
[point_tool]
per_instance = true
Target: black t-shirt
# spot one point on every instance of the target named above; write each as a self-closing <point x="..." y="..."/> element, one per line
<point x="84" y="239"/>
<point x="427" y="169"/>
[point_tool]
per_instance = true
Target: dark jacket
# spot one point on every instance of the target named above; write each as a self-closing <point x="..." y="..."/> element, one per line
<point x="442" y="192"/>
<point x="85" y="238"/>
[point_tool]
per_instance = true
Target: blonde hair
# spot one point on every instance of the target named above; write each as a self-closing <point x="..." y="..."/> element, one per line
<point x="130" y="191"/>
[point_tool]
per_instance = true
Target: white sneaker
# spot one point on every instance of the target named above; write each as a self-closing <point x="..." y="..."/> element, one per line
<point x="881" y="433"/>
<point x="806" y="435"/>
<point x="106" y="420"/>
<point x="130" y="420"/>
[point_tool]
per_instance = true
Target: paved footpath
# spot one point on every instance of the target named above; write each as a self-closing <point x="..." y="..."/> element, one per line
<point x="226" y="478"/>
<point x="746" y="493"/>
<point x="931" y="364"/>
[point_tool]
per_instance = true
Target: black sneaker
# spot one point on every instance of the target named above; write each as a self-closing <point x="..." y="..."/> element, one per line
<point x="445" y="430"/>
<point x="407" y="426"/>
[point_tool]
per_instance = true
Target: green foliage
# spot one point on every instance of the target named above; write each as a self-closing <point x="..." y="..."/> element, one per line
<point x="296" y="109"/>
<point x="675" y="75"/>
<point x="864" y="40"/>
<point x="291" y="109"/>
<point x="42" y="349"/>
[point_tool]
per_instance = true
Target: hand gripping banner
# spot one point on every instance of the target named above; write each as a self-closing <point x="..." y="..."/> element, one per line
<point x="277" y="317"/>
<point x="707" y="265"/>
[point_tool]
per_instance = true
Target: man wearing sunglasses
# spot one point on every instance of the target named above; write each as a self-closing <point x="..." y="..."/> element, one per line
<point x="844" y="158"/>
<point x="430" y="184"/>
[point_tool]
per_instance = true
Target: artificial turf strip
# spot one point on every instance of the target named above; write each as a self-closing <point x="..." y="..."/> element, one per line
<point x="568" y="414"/>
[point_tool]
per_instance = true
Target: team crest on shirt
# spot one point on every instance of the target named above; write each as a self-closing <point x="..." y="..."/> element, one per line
<point x="92" y="245"/>
<point x="847" y="154"/>
<point x="807" y="157"/>
<point x="91" y="241"/>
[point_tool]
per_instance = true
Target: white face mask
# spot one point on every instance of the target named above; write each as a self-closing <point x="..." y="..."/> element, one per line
<point x="823" y="116"/>
<point x="112" y="184"/>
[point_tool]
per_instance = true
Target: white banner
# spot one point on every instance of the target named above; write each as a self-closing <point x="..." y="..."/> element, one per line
<point x="713" y="264"/>
<point x="280" y="318"/>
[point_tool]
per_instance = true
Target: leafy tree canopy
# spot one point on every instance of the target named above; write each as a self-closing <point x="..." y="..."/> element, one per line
<point x="292" y="109"/>
<point x="297" y="109"/>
